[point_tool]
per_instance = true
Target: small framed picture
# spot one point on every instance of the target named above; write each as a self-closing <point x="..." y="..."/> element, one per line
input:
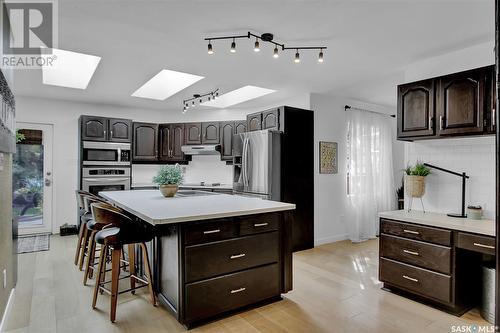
<point x="328" y="162"/>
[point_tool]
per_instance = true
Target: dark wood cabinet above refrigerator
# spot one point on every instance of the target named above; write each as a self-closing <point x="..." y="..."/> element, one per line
<point x="94" y="128"/>
<point x="458" y="104"/>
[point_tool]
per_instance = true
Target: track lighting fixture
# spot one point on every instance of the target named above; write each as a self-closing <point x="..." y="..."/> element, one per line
<point x="210" y="50"/>
<point x="233" y="47"/>
<point x="198" y="98"/>
<point x="297" y="57"/>
<point x="275" y="53"/>
<point x="257" y="46"/>
<point x="269" y="38"/>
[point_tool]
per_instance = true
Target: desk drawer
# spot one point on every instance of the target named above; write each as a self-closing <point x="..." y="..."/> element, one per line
<point x="420" y="281"/>
<point x="205" y="232"/>
<point x="259" y="223"/>
<point x="210" y="297"/>
<point x="430" y="256"/>
<point x="477" y="243"/>
<point x="209" y="260"/>
<point x="414" y="231"/>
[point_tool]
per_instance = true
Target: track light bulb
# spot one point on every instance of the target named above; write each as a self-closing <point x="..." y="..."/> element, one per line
<point x="193" y="103"/>
<point x="233" y="47"/>
<point x="320" y="58"/>
<point x="297" y="57"/>
<point x="275" y="53"/>
<point x="210" y="50"/>
<point x="257" y="45"/>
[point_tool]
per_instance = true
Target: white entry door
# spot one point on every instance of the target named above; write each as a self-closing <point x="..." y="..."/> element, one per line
<point x="32" y="178"/>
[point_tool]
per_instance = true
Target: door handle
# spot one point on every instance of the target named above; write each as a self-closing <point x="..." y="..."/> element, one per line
<point x="441" y="120"/>
<point x="493" y="117"/>
<point x="48" y="182"/>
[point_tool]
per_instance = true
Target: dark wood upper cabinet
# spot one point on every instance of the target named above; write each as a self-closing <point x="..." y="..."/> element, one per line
<point x="227" y="131"/>
<point x="210" y="133"/>
<point x="120" y="130"/>
<point x="94" y="128"/>
<point x="460" y="103"/>
<point x="416" y="111"/>
<point x="270" y="119"/>
<point x="171" y="141"/>
<point x="254" y="122"/>
<point x="240" y="126"/>
<point x="193" y="133"/>
<point x="165" y="138"/>
<point x="145" y="147"/>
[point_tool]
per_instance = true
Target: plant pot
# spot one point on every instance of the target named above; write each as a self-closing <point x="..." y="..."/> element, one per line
<point x="169" y="191"/>
<point x="415" y="186"/>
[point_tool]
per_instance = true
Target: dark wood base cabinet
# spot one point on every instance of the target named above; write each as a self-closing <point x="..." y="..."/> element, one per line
<point x="205" y="269"/>
<point x="436" y="266"/>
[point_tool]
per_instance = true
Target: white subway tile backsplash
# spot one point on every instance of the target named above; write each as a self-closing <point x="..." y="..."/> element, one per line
<point x="475" y="156"/>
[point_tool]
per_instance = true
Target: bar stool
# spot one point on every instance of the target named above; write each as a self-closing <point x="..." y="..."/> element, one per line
<point x="93" y="226"/>
<point x="82" y="246"/>
<point x="85" y="215"/>
<point x="121" y="231"/>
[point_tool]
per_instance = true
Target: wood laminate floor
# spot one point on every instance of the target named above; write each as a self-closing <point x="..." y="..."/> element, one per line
<point x="335" y="290"/>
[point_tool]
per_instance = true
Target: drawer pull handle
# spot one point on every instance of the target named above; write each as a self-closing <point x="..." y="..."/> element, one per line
<point x="235" y="291"/>
<point x="411" y="252"/>
<point x="483" y="245"/>
<point x="260" y="224"/>
<point x="236" y="256"/>
<point x="410" y="278"/>
<point x="211" y="231"/>
<point x="411" y="232"/>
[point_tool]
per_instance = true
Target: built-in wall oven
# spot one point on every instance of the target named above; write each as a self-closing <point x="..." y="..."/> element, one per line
<point x="106" y="153"/>
<point x="97" y="179"/>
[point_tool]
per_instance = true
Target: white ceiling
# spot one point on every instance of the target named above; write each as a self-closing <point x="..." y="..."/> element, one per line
<point x="369" y="44"/>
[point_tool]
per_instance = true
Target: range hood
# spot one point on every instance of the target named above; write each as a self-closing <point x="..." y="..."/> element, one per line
<point x="201" y="149"/>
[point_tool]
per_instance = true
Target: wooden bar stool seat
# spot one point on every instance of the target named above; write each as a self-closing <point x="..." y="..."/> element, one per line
<point x="121" y="231"/>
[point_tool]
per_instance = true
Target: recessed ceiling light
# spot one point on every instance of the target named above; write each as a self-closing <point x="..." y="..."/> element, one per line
<point x="165" y="84"/>
<point x="237" y="96"/>
<point x="70" y="69"/>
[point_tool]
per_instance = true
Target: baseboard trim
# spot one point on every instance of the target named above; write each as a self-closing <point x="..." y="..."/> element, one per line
<point x="331" y="239"/>
<point x="7" y="309"/>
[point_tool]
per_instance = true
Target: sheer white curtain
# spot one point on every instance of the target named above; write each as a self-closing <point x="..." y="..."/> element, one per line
<point x="370" y="178"/>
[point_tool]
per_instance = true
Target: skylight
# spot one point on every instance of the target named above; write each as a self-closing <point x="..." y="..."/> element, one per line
<point x="165" y="84"/>
<point x="238" y="96"/>
<point x="70" y="69"/>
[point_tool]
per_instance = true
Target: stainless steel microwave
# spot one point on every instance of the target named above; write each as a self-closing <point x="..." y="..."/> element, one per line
<point x="106" y="153"/>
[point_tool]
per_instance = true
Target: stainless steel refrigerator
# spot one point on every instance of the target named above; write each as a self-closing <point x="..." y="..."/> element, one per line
<point x="257" y="164"/>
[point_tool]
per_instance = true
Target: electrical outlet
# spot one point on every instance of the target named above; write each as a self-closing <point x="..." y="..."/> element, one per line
<point x="4" y="278"/>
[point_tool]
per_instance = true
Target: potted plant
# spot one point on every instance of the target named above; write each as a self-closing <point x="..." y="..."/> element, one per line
<point x="168" y="178"/>
<point x="415" y="180"/>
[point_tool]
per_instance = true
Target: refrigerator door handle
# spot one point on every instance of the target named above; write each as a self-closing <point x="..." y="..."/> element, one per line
<point x="244" y="161"/>
<point x="248" y="160"/>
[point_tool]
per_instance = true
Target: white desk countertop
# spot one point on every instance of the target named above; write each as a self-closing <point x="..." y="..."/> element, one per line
<point x="484" y="227"/>
<point x="152" y="207"/>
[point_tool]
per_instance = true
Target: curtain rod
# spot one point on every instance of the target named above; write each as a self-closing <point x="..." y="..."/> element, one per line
<point x="348" y="107"/>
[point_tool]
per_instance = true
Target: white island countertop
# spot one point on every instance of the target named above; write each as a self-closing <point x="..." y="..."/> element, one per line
<point x="483" y="227"/>
<point x="152" y="207"/>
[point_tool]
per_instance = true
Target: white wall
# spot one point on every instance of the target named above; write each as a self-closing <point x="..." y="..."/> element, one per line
<point x="475" y="155"/>
<point x="330" y="189"/>
<point x="64" y="117"/>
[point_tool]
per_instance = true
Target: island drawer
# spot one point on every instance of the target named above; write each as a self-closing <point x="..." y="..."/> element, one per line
<point x="223" y="257"/>
<point x="477" y="243"/>
<point x="418" y="280"/>
<point x="418" y="232"/>
<point x="254" y="224"/>
<point x="430" y="256"/>
<point x="210" y="297"/>
<point x="205" y="232"/>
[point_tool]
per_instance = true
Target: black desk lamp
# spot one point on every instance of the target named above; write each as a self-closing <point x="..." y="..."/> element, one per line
<point x="464" y="176"/>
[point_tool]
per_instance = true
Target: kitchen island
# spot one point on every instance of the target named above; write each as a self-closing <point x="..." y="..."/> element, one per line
<point x="213" y="253"/>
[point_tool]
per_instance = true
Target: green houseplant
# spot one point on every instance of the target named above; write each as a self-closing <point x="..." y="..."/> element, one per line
<point x="168" y="178"/>
<point x="415" y="179"/>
